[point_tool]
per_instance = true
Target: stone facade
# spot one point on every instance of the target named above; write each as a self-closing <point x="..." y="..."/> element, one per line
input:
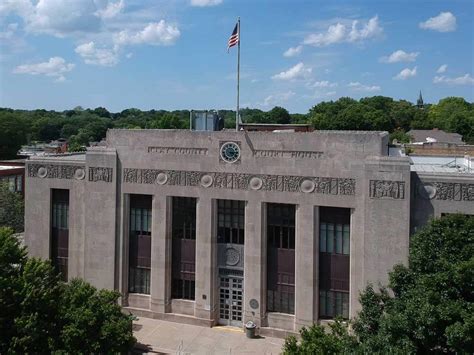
<point x="310" y="170"/>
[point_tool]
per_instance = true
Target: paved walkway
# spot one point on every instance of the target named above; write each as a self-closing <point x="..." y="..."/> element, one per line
<point x="157" y="336"/>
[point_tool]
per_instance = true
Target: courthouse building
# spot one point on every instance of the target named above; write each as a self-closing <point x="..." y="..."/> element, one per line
<point x="224" y="227"/>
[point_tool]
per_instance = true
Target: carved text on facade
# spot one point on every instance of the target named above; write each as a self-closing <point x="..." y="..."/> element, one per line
<point x="178" y="150"/>
<point x="292" y="154"/>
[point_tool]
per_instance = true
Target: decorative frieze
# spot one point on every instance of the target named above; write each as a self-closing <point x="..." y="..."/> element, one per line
<point x="446" y="191"/>
<point x="53" y="171"/>
<point x="100" y="174"/>
<point x="222" y="180"/>
<point x="387" y="189"/>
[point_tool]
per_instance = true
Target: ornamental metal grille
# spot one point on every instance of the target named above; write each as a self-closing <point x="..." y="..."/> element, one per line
<point x="230" y="221"/>
<point x="230" y="300"/>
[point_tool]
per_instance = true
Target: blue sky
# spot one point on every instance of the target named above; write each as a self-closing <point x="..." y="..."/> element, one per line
<point x="153" y="54"/>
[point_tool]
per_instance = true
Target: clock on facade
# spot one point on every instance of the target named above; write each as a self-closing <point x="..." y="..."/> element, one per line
<point x="230" y="152"/>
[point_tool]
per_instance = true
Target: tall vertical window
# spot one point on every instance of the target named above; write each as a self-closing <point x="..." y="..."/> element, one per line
<point x="281" y="258"/>
<point x="140" y="244"/>
<point x="184" y="247"/>
<point x="230" y="221"/>
<point x="334" y="258"/>
<point x="60" y="231"/>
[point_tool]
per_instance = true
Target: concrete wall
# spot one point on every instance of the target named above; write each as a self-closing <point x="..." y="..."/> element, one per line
<point x="338" y="169"/>
<point x="435" y="194"/>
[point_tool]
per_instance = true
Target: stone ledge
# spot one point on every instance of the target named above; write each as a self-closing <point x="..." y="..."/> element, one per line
<point x="171" y="317"/>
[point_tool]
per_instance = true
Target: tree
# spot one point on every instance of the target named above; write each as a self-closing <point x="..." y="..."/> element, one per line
<point x="316" y="340"/>
<point x="432" y="307"/>
<point x="11" y="209"/>
<point x="41" y="314"/>
<point x="278" y="115"/>
<point x="13" y="133"/>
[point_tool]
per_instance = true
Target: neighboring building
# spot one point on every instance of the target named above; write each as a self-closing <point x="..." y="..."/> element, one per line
<point x="419" y="103"/>
<point x="12" y="172"/>
<point x="272" y="127"/>
<point x="420" y="136"/>
<point x="225" y="227"/>
<point x="59" y="146"/>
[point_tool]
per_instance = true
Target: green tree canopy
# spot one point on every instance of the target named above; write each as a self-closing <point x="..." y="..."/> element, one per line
<point x="41" y="314"/>
<point x="11" y="208"/>
<point x="431" y="310"/>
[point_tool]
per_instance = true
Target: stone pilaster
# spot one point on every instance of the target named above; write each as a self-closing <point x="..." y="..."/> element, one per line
<point x="206" y="257"/>
<point x="161" y="254"/>
<point x="124" y="244"/>
<point x="255" y="263"/>
<point x="306" y="265"/>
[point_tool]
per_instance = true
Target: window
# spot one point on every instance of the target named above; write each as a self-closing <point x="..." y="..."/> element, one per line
<point x="60" y="231"/>
<point x="334" y="238"/>
<point x="183" y="247"/>
<point x="281" y="258"/>
<point x="19" y="183"/>
<point x="140" y="244"/>
<point x="334" y="262"/>
<point x="230" y="221"/>
<point x="333" y="304"/>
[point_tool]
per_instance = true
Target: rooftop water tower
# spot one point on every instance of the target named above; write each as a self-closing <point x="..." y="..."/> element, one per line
<point x="205" y="120"/>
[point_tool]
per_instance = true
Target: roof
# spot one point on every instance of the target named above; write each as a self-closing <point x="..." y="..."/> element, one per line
<point x="440" y="136"/>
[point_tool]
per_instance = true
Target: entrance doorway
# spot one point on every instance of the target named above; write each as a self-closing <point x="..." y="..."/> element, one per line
<point x="231" y="292"/>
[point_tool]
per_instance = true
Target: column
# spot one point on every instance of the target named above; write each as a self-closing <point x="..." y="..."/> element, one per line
<point x="306" y="261"/>
<point x="206" y="259"/>
<point x="161" y="254"/>
<point x="255" y="260"/>
<point x="124" y="248"/>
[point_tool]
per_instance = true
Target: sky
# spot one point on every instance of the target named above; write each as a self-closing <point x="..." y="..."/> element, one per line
<point x="154" y="54"/>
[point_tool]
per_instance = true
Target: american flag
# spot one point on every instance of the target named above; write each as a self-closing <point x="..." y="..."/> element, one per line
<point x="234" y="37"/>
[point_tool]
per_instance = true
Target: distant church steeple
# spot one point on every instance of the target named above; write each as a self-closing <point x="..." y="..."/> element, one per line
<point x="419" y="102"/>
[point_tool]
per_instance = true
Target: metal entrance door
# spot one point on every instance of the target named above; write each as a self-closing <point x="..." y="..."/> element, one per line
<point x="230" y="300"/>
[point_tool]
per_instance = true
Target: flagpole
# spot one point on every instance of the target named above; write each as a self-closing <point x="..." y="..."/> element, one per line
<point x="238" y="78"/>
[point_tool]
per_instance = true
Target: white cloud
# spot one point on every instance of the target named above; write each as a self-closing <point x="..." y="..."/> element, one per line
<point x="97" y="56"/>
<point x="296" y="72"/>
<point x="444" y="22"/>
<point x="340" y="32"/>
<point x="335" y="34"/>
<point x="371" y="29"/>
<point x="61" y="18"/>
<point x="466" y="79"/>
<point x="293" y="51"/>
<point x="156" y="33"/>
<point x="111" y="10"/>
<point x="56" y="67"/>
<point x="405" y="74"/>
<point x="9" y="32"/>
<point x="400" y="56"/>
<point x="361" y="87"/>
<point x="102" y="22"/>
<point x="277" y="99"/>
<point x="202" y="3"/>
<point x="442" y="69"/>
<point x="323" y="84"/>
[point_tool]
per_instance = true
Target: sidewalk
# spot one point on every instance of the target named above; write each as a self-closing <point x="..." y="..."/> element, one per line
<point x="161" y="337"/>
